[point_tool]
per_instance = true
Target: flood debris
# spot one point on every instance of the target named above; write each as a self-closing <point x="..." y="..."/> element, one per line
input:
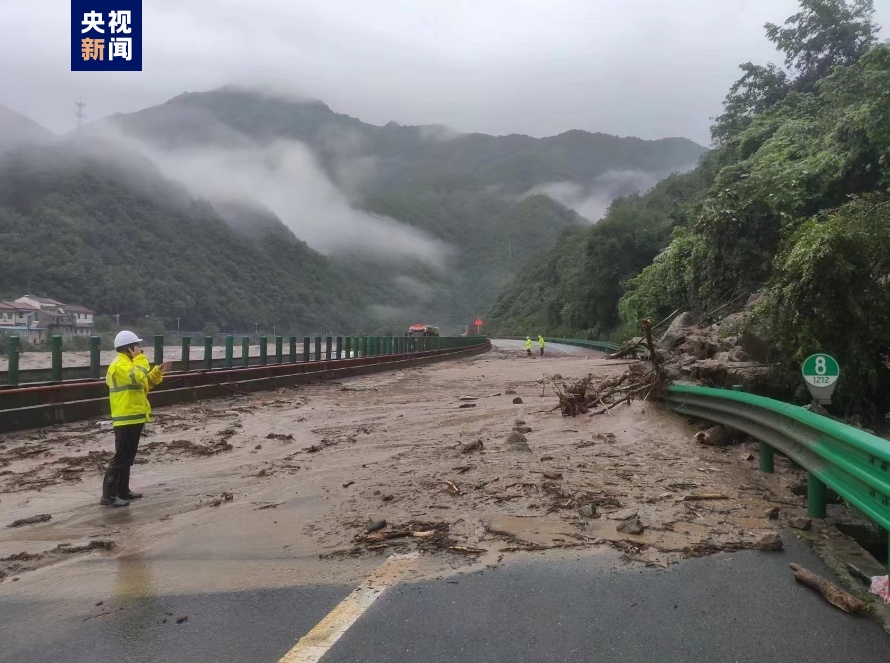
<point x="517" y="442"/>
<point x="832" y="593"/>
<point x="33" y="520"/>
<point x="466" y="405"/>
<point x="280" y="436"/>
<point x="473" y="446"/>
<point x="630" y="525"/>
<point x="716" y="436"/>
<point x="769" y="542"/>
<point x="517" y="400"/>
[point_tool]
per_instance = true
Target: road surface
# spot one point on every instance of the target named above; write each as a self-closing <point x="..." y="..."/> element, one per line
<point x="252" y="505"/>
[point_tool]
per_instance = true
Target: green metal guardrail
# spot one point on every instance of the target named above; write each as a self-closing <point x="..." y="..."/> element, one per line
<point x="853" y="463"/>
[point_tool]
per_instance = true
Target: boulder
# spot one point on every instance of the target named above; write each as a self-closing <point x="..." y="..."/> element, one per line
<point x="677" y="331"/>
<point x="754" y="346"/>
<point x="732" y="323"/>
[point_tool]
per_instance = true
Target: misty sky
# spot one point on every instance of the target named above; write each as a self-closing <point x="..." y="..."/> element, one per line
<point x="628" y="67"/>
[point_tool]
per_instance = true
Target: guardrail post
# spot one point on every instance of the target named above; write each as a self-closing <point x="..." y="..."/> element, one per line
<point x="318" y="348"/>
<point x="159" y="349"/>
<point x="364" y="346"/>
<point x="95" y="357"/>
<point x="279" y="348"/>
<point x="347" y="347"/>
<point x="264" y="350"/>
<point x="293" y="349"/>
<point x="339" y="351"/>
<point x="57" y="358"/>
<point x="12" y="373"/>
<point x="208" y="353"/>
<point x="245" y="350"/>
<point x="230" y="350"/>
<point x="186" y="352"/>
<point x="815" y="497"/>
<point x="766" y="458"/>
<point x="328" y="342"/>
<point x="307" y="348"/>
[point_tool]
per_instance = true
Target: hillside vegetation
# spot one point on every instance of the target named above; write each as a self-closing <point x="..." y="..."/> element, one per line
<point x="793" y="202"/>
<point x="119" y="238"/>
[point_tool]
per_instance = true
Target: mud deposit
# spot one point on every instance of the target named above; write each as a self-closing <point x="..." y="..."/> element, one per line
<point x="285" y="484"/>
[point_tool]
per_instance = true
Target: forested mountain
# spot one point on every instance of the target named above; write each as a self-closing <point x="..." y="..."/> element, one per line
<point x="405" y="158"/>
<point x="794" y="202"/>
<point x="17" y="130"/>
<point x="114" y="235"/>
<point x="206" y="201"/>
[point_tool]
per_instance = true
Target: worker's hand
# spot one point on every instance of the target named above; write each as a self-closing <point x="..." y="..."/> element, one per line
<point x="166" y="366"/>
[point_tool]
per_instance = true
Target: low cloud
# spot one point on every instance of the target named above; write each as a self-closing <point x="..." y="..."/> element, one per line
<point x="284" y="177"/>
<point x="592" y="201"/>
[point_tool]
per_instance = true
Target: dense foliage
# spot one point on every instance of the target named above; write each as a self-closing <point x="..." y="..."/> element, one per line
<point x="118" y="238"/>
<point x="794" y="201"/>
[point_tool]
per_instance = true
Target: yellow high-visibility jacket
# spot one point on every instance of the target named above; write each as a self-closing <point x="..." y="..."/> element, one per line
<point x="129" y="381"/>
<point x="528" y="344"/>
<point x="541" y="342"/>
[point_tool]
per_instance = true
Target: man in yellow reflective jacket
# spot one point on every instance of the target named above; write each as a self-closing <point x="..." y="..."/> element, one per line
<point x="541" y="344"/>
<point x="129" y="379"/>
<point x="528" y="346"/>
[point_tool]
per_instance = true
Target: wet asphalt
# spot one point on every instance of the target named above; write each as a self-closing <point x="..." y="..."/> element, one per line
<point x="742" y="606"/>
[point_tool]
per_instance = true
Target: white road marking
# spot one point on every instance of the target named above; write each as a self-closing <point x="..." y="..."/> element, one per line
<point x="315" y="644"/>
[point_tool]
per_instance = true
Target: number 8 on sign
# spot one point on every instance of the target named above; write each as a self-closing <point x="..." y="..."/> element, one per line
<point x="820" y="370"/>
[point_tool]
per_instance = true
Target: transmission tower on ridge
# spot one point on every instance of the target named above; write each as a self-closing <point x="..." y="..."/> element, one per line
<point x="79" y="112"/>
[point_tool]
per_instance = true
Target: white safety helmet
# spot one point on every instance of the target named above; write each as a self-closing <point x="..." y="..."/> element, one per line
<point x="126" y="338"/>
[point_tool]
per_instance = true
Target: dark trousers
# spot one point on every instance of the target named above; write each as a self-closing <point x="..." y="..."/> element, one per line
<point x="117" y="472"/>
<point x="542" y="352"/>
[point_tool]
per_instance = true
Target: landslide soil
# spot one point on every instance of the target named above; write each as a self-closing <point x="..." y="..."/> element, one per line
<point x="290" y="478"/>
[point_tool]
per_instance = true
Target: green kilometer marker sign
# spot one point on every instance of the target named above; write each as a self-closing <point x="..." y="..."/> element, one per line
<point x="820" y="371"/>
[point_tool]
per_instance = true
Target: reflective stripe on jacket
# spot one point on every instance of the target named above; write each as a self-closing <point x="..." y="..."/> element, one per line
<point x="129" y="381"/>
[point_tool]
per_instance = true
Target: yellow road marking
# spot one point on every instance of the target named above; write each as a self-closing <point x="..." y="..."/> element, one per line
<point x="315" y="644"/>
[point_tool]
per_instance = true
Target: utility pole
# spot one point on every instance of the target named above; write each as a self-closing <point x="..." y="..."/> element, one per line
<point x="177" y="324"/>
<point x="117" y="319"/>
<point x="79" y="114"/>
<point x="273" y="330"/>
<point x="256" y="327"/>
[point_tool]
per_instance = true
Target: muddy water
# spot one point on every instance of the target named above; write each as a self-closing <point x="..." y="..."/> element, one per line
<point x="227" y="508"/>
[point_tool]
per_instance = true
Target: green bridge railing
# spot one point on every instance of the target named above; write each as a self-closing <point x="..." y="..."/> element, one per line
<point x="285" y="352"/>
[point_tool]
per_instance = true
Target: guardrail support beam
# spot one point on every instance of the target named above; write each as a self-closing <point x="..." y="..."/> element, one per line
<point x="815" y="497"/>
<point x="56" y="347"/>
<point x="766" y="458"/>
<point x="186" y="352"/>
<point x="95" y="357"/>
<point x="230" y="351"/>
<point x="208" y="353"/>
<point x="245" y="350"/>
<point x="12" y="371"/>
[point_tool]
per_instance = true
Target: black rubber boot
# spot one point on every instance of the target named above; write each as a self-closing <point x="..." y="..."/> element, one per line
<point x="109" y="491"/>
<point x="123" y="486"/>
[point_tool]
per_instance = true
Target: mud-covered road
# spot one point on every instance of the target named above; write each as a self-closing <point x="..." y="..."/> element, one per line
<point x="296" y="474"/>
<point x="265" y="491"/>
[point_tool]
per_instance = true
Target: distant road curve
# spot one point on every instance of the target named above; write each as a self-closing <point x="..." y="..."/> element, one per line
<point x="551" y="349"/>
